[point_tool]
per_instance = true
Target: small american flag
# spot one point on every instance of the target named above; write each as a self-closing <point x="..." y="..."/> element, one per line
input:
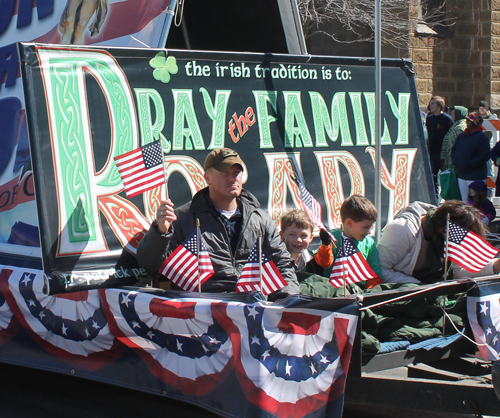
<point x="313" y="208"/>
<point x="350" y="266"/>
<point x="141" y="169"/>
<point x="181" y="267"/>
<point x="467" y="249"/>
<point x="272" y="280"/>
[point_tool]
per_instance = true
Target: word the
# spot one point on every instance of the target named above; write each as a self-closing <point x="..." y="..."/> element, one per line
<point x="242" y="123"/>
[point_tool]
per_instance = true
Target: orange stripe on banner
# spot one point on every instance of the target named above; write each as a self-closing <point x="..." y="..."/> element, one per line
<point x="490" y="182"/>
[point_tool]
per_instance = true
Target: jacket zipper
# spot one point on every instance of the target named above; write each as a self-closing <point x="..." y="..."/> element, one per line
<point x="233" y="259"/>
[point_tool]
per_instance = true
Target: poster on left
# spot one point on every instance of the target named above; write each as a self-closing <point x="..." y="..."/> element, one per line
<point x="124" y="23"/>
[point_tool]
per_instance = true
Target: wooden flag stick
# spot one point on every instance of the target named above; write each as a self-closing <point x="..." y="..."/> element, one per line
<point x="260" y="261"/>
<point x="342" y="250"/>
<point x="164" y="172"/>
<point x="447" y="237"/>
<point x="198" y="251"/>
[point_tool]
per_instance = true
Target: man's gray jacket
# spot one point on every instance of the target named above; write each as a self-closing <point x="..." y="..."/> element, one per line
<point x="155" y="247"/>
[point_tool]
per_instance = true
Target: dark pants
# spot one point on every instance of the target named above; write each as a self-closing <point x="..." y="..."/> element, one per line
<point x="435" y="167"/>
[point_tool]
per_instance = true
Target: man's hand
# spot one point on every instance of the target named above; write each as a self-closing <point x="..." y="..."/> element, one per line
<point x="165" y="215"/>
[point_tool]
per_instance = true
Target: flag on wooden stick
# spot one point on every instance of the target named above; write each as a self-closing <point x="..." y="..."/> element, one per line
<point x="467" y="249"/>
<point x="272" y="280"/>
<point x="313" y="208"/>
<point x="185" y="267"/>
<point x="141" y="169"/>
<point x="350" y="266"/>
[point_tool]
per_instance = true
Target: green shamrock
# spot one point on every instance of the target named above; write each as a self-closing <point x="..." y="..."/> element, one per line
<point x="163" y="67"/>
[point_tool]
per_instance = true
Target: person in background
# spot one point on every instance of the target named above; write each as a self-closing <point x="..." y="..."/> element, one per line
<point x="485" y="111"/>
<point x="458" y="114"/>
<point x="495" y="158"/>
<point x="470" y="153"/>
<point x="438" y="123"/>
<point x="477" y="197"/>
<point x="230" y="221"/>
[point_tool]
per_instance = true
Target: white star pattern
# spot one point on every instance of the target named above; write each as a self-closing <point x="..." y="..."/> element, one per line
<point x="135" y="324"/>
<point x="31" y="302"/>
<point x="324" y="360"/>
<point x="252" y="312"/>
<point x="26" y="280"/>
<point x="94" y="325"/>
<point x="255" y="340"/>
<point x="484" y="308"/>
<point x="313" y="369"/>
<point x="213" y="340"/>
<point x="126" y="300"/>
<point x="488" y="331"/>
<point x="179" y="345"/>
<point x="150" y="334"/>
<point x="41" y="315"/>
<point x="265" y="355"/>
<point x="288" y="368"/>
<point x="64" y="329"/>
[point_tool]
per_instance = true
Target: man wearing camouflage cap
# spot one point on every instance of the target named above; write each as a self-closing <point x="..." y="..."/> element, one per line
<point x="230" y="219"/>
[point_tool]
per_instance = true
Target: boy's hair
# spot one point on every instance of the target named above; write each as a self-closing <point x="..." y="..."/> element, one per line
<point x="358" y="208"/>
<point x="298" y="217"/>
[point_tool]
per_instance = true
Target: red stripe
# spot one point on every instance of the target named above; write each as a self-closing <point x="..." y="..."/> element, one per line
<point x="299" y="323"/>
<point x="75" y="296"/>
<point x="169" y="309"/>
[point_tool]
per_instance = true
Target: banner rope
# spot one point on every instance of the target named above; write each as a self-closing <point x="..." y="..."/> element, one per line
<point x="460" y="332"/>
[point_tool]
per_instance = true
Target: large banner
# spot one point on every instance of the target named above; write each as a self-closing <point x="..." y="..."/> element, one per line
<point x="289" y="117"/>
<point x="233" y="354"/>
<point x="131" y="23"/>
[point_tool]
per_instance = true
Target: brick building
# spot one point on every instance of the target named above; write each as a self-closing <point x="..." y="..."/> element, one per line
<point x="460" y="62"/>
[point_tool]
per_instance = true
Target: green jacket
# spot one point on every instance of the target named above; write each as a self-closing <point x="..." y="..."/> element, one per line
<point x="449" y="139"/>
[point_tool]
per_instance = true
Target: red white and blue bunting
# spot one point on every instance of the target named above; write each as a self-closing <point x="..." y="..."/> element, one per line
<point x="289" y="359"/>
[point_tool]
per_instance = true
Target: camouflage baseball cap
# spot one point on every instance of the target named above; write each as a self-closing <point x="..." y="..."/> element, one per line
<point x="222" y="159"/>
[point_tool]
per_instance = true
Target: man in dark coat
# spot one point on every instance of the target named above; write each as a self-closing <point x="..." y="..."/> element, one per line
<point x="230" y="221"/>
<point x="470" y="153"/>
<point x="438" y="123"/>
